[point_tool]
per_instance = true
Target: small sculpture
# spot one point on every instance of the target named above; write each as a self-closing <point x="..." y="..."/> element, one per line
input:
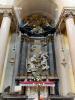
<point x="37" y="64"/>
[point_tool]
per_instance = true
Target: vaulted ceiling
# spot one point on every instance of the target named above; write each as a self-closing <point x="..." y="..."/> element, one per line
<point x="45" y="7"/>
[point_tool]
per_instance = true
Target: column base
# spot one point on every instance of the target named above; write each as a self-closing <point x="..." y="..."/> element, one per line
<point x="71" y="94"/>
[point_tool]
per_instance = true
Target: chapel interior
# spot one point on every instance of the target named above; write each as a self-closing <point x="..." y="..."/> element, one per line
<point x="37" y="49"/>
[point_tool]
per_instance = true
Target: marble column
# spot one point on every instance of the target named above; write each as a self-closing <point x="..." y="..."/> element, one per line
<point x="70" y="26"/>
<point x="4" y="34"/>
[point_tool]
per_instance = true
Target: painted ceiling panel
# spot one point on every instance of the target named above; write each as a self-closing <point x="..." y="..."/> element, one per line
<point x="46" y="7"/>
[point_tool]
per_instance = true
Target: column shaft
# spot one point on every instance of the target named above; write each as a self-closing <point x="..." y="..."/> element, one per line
<point x="71" y="37"/>
<point x="70" y="26"/>
<point x="4" y="34"/>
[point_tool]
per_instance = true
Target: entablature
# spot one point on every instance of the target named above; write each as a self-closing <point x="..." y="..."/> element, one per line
<point x="66" y="12"/>
<point x="9" y="10"/>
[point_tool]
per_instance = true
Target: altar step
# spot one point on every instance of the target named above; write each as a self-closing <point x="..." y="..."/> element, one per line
<point x="61" y="98"/>
<point x="30" y="77"/>
<point x="17" y="97"/>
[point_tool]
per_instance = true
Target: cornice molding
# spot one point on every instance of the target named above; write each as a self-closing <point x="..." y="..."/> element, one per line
<point x="9" y="11"/>
<point x="66" y="12"/>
